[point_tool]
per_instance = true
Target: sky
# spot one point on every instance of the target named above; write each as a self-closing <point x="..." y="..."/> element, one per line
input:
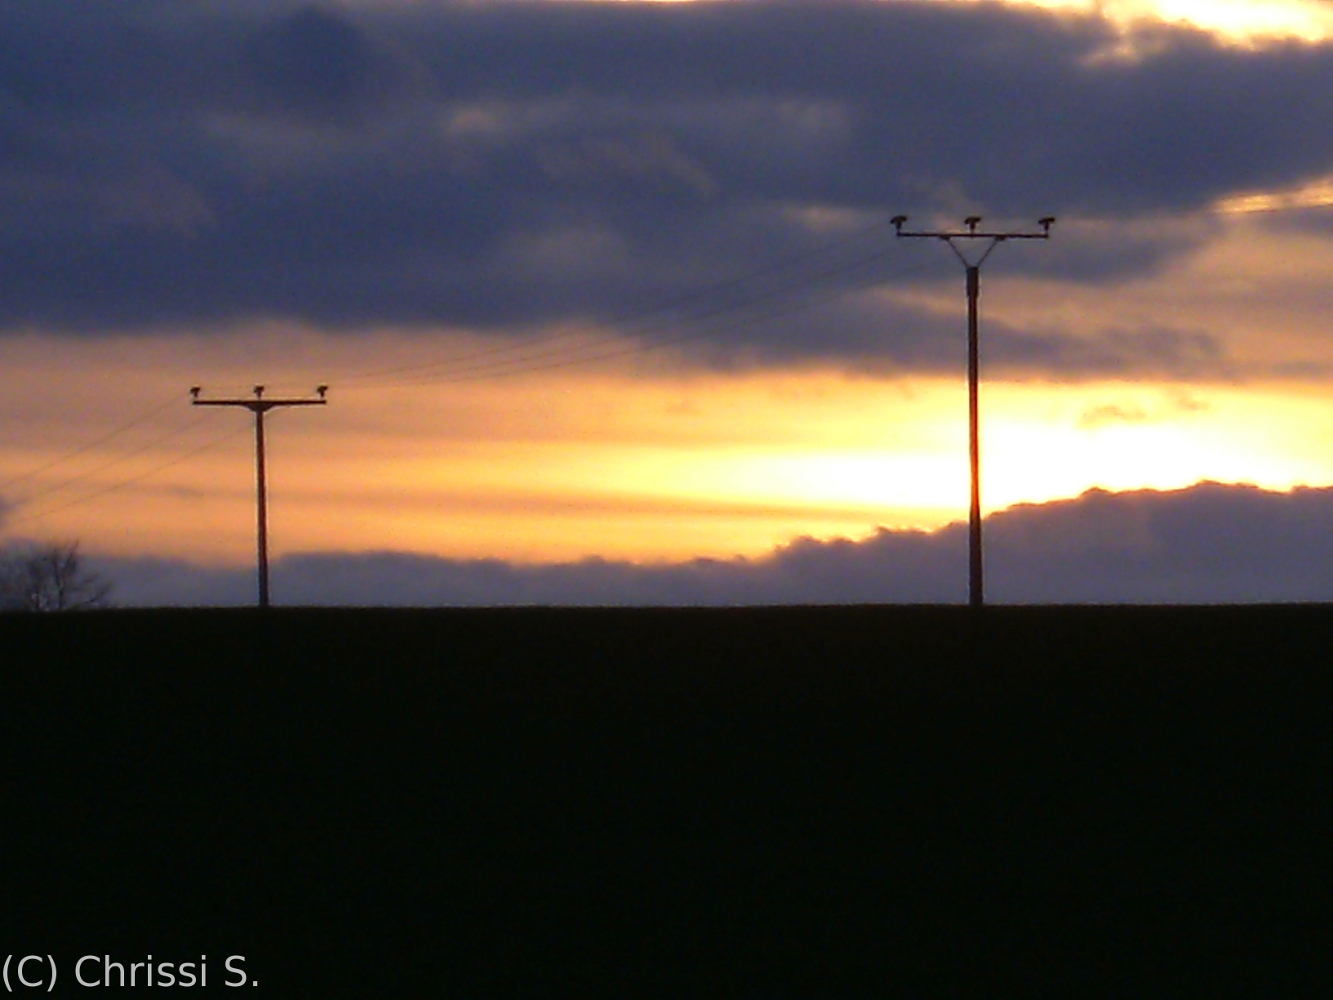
<point x="613" y="284"/>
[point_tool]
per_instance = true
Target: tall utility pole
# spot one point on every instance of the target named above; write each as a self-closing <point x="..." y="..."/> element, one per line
<point x="976" y="584"/>
<point x="259" y="406"/>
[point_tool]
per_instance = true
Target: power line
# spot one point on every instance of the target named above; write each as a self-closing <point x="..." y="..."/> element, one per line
<point x="566" y="357"/>
<point x="145" y="416"/>
<point x="129" y="481"/>
<point x="124" y="456"/>
<point x="467" y="358"/>
<point x="504" y="360"/>
<point x="642" y="348"/>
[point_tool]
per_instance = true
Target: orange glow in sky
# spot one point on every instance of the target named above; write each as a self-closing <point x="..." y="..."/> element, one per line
<point x="1237" y="20"/>
<point x="594" y="464"/>
<point x="655" y="461"/>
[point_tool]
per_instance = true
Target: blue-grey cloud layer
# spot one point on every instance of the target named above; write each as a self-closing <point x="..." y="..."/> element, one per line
<point x="509" y="164"/>
<point x="1210" y="543"/>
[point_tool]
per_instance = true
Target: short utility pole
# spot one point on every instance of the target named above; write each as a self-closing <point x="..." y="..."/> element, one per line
<point x="976" y="584"/>
<point x="259" y="406"/>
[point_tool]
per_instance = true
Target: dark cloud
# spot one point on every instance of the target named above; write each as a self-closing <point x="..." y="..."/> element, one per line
<point x="887" y="338"/>
<point x="316" y="66"/>
<point x="1210" y="543"/>
<point x="507" y="165"/>
<point x="1124" y="353"/>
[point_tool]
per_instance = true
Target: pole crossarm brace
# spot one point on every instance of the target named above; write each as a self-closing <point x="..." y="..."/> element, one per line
<point x="258" y="405"/>
<point x="994" y="237"/>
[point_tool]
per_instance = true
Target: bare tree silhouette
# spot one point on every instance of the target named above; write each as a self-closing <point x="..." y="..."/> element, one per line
<point x="49" y="576"/>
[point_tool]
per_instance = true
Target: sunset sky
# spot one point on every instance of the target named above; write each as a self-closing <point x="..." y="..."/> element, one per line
<point x="616" y="279"/>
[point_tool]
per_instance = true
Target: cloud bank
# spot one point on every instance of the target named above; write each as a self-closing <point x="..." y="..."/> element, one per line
<point x="507" y="166"/>
<point x="1210" y="543"/>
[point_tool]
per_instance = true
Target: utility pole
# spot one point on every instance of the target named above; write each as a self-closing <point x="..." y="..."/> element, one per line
<point x="976" y="584"/>
<point x="259" y="406"/>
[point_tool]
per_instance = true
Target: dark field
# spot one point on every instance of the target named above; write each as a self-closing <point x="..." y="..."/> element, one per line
<point x="806" y="803"/>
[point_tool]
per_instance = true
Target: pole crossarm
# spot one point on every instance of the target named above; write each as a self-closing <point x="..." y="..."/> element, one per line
<point x="976" y="586"/>
<point x="996" y="237"/>
<point x="258" y="405"/>
<point x="972" y="232"/>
